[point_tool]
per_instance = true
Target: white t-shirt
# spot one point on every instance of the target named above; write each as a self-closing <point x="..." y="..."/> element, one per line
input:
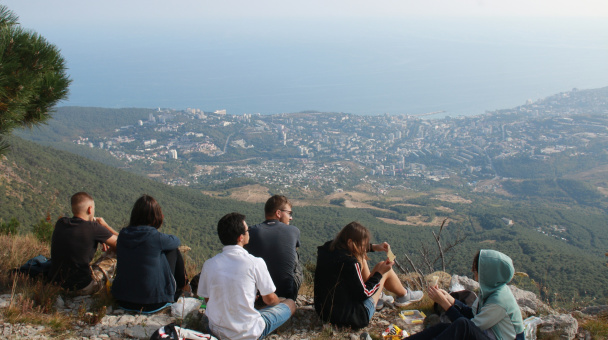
<point x="231" y="280"/>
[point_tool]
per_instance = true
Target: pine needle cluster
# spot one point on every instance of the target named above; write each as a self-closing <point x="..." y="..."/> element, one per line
<point x="32" y="76"/>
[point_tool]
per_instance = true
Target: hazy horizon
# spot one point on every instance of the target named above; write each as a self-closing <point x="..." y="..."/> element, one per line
<point x="272" y="59"/>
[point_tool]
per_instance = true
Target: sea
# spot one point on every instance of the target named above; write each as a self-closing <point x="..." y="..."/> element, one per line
<point x="450" y="67"/>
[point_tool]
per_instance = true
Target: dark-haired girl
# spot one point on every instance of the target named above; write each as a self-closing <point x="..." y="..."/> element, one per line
<point x="150" y="271"/>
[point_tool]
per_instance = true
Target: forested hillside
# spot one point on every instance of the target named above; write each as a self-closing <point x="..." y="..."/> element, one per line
<point x="37" y="181"/>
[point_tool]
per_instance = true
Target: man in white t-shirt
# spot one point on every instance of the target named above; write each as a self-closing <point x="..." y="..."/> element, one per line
<point x="229" y="282"/>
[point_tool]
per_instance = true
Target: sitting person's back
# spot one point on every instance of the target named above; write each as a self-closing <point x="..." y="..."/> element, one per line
<point x="150" y="269"/>
<point x="277" y="242"/>
<point x="73" y="246"/>
<point x="229" y="282"/>
<point x="347" y="292"/>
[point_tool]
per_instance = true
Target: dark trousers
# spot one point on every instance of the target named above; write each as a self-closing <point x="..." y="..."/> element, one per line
<point x="176" y="263"/>
<point x="460" y="329"/>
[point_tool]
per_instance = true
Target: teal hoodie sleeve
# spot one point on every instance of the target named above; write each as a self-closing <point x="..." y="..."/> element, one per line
<point x="489" y="315"/>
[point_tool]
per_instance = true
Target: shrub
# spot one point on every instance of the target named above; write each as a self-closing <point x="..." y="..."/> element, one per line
<point x="43" y="231"/>
<point x="10" y="228"/>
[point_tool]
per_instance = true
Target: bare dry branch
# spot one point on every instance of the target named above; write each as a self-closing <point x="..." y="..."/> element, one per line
<point x="421" y="275"/>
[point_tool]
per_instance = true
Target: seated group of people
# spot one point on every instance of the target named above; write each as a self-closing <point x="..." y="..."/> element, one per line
<point x="251" y="286"/>
<point x="147" y="267"/>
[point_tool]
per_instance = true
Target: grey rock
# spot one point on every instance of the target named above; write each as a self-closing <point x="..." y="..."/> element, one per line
<point x="5" y="300"/>
<point x="108" y="320"/>
<point x="59" y="303"/>
<point x="125" y="320"/>
<point x="136" y="332"/>
<point x="159" y="320"/>
<point x="468" y="284"/>
<point x="383" y="323"/>
<point x="526" y="311"/>
<point x="595" y="310"/>
<point x="564" y="325"/>
<point x="140" y="319"/>
<point x="530" y="300"/>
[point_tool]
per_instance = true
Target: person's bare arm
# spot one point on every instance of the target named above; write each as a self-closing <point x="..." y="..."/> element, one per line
<point x="381" y="247"/>
<point x="443" y="298"/>
<point x="110" y="243"/>
<point x="271" y="299"/>
<point x="104" y="224"/>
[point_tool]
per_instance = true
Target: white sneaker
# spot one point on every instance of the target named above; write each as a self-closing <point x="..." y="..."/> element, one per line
<point x="386" y="298"/>
<point x="411" y="296"/>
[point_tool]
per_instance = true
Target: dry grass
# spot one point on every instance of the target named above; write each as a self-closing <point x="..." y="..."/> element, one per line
<point x="15" y="250"/>
<point x="598" y="327"/>
<point x="32" y="300"/>
<point x="307" y="287"/>
<point x="32" y="303"/>
<point x="28" y="314"/>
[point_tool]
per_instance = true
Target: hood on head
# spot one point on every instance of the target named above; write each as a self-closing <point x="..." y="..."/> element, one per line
<point x="495" y="270"/>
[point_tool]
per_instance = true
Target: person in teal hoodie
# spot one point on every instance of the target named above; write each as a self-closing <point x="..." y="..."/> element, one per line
<point x="150" y="270"/>
<point x="495" y="314"/>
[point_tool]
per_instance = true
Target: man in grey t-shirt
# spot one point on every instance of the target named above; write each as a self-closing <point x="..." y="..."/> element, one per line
<point x="277" y="243"/>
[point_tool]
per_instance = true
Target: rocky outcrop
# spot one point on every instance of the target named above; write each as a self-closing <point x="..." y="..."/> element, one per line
<point x="465" y="282"/>
<point x="595" y="310"/>
<point x="529" y="303"/>
<point x="563" y="326"/>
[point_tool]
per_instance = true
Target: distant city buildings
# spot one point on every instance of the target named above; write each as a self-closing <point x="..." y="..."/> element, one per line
<point x="311" y="149"/>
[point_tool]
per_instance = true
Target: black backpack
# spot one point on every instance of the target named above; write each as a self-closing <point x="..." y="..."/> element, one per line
<point x="38" y="266"/>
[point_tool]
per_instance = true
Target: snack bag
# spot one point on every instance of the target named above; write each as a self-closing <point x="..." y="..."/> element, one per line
<point x="393" y="332"/>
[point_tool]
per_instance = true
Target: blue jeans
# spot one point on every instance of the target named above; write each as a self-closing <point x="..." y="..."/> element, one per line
<point x="274" y="317"/>
<point x="370" y="306"/>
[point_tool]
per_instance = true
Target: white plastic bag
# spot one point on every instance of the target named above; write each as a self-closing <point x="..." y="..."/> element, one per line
<point x="456" y="287"/>
<point x="184" y="306"/>
<point x="193" y="335"/>
<point x="530" y="325"/>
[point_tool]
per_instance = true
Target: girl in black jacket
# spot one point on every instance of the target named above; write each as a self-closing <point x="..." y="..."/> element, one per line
<point x="346" y="291"/>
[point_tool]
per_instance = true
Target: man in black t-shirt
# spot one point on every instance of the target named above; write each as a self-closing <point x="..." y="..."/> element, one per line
<point x="277" y="243"/>
<point x="74" y="244"/>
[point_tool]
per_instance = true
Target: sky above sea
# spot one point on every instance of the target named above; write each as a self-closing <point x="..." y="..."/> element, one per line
<point x="396" y="57"/>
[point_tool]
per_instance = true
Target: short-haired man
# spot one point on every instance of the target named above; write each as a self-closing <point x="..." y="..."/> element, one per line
<point x="74" y="244"/>
<point x="229" y="282"/>
<point x="277" y="243"/>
